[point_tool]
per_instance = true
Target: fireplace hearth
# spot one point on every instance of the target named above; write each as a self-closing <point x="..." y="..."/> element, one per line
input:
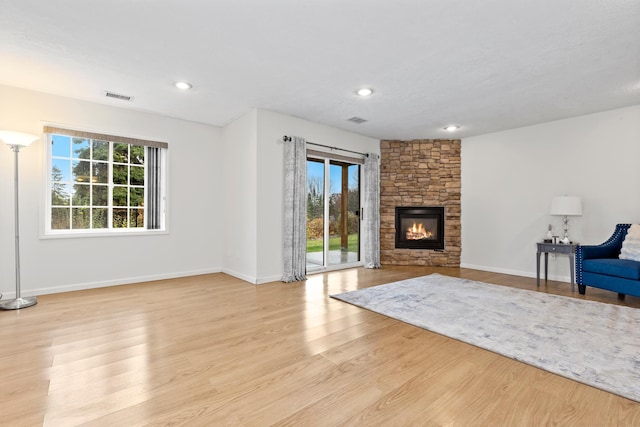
<point x="420" y="227"/>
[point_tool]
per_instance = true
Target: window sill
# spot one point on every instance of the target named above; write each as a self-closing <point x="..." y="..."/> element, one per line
<point x="89" y="234"/>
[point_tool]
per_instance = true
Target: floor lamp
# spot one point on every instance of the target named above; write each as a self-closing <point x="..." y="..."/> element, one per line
<point x="17" y="140"/>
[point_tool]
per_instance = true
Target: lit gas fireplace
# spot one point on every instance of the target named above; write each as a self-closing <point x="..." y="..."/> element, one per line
<point x="418" y="232"/>
<point x="420" y="227"/>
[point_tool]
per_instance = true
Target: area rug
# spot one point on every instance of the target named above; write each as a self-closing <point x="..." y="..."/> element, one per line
<point x="594" y="343"/>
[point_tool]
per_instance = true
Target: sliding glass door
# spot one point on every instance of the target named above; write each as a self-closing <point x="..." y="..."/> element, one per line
<point x="333" y="213"/>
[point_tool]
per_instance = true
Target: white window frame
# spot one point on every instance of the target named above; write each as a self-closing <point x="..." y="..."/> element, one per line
<point x="48" y="232"/>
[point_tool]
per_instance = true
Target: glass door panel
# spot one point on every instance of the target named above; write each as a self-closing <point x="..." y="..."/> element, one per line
<point x="315" y="214"/>
<point x="344" y="210"/>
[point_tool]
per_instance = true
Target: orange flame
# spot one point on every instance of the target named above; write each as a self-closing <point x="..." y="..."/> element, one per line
<point x="418" y="232"/>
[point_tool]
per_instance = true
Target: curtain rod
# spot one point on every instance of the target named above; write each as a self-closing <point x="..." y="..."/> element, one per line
<point x="288" y="138"/>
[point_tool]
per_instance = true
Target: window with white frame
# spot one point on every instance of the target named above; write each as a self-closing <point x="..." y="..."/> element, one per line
<point x="103" y="183"/>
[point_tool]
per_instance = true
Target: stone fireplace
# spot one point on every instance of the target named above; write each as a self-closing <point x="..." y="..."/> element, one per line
<point x="420" y="174"/>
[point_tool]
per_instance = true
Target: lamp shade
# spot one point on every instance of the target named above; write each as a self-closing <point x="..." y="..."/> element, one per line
<point x="566" y="206"/>
<point x="21" y="139"/>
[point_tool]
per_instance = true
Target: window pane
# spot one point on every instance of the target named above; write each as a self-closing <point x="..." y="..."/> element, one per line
<point x="119" y="196"/>
<point x="59" y="195"/>
<point x="137" y="154"/>
<point x="60" y="183"/>
<point x="80" y="218"/>
<point x="136" y="218"/>
<point x="100" y="218"/>
<point x="100" y="150"/>
<point x="81" y="170"/>
<point x="100" y="195"/>
<point x="60" y="219"/>
<point x="81" y="194"/>
<point x="81" y="148"/>
<point x="120" y="153"/>
<point x="60" y="146"/>
<point x="315" y="213"/>
<point x="99" y="172"/>
<point x="120" y="174"/>
<point x="120" y="218"/>
<point x="136" y="197"/>
<point x="137" y="175"/>
<point x="60" y="170"/>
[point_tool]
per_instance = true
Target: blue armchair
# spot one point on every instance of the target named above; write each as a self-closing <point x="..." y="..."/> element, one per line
<point x="599" y="266"/>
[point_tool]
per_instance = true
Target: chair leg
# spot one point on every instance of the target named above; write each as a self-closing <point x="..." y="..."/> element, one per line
<point x="582" y="289"/>
<point x="620" y="296"/>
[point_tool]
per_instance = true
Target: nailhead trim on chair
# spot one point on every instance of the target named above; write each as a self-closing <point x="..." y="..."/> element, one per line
<point x="620" y="228"/>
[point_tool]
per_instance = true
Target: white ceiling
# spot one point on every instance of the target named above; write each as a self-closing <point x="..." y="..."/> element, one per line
<point x="486" y="65"/>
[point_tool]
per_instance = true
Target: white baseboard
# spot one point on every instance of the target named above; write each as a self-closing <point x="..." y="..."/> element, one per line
<point x="566" y="279"/>
<point x="251" y="279"/>
<point x="106" y="283"/>
<point x="269" y="279"/>
<point x="246" y="278"/>
<point x="241" y="276"/>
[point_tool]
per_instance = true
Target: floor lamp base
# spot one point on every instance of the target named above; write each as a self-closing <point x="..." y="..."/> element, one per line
<point x="18" y="303"/>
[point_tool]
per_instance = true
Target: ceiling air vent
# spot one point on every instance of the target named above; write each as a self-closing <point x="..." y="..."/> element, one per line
<point x="357" y="120"/>
<point x="118" y="96"/>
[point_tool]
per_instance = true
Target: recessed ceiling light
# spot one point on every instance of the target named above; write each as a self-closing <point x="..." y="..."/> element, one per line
<point x="452" y="128"/>
<point x="365" y="91"/>
<point x="183" y="85"/>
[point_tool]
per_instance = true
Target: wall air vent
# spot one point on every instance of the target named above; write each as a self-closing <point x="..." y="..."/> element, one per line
<point x="357" y="120"/>
<point x="109" y="94"/>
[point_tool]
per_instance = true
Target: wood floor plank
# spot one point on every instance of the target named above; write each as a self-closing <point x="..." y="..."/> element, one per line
<point x="286" y="354"/>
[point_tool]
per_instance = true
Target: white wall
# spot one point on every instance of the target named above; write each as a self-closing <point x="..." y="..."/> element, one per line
<point x="510" y="177"/>
<point x="225" y="197"/>
<point x="508" y="180"/>
<point x="239" y="203"/>
<point x="56" y="265"/>
<point x="254" y="183"/>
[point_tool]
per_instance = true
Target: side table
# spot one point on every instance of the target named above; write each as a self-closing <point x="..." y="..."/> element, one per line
<point x="555" y="248"/>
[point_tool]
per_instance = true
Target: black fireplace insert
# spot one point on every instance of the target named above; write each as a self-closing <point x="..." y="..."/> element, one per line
<point x="420" y="227"/>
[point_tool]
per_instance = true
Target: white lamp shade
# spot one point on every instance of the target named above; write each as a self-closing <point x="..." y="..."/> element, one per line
<point x="21" y="139"/>
<point x="566" y="206"/>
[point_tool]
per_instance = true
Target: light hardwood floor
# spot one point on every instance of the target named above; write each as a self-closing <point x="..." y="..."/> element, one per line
<point x="214" y="350"/>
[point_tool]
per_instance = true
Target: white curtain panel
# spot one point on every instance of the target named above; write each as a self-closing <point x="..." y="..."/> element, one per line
<point x="295" y="210"/>
<point x="371" y="211"/>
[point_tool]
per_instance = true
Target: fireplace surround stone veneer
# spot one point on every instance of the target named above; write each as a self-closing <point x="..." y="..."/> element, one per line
<point x="423" y="172"/>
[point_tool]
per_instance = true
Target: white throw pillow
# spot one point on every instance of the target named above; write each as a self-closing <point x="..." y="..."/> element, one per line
<point x="631" y="244"/>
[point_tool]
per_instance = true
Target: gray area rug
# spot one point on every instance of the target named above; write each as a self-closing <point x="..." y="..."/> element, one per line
<point x="594" y="343"/>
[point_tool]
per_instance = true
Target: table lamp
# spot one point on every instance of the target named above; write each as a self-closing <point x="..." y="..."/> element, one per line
<point x="566" y="206"/>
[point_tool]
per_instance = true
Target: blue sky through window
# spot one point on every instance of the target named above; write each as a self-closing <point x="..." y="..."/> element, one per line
<point x="61" y="146"/>
<point x="316" y="170"/>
